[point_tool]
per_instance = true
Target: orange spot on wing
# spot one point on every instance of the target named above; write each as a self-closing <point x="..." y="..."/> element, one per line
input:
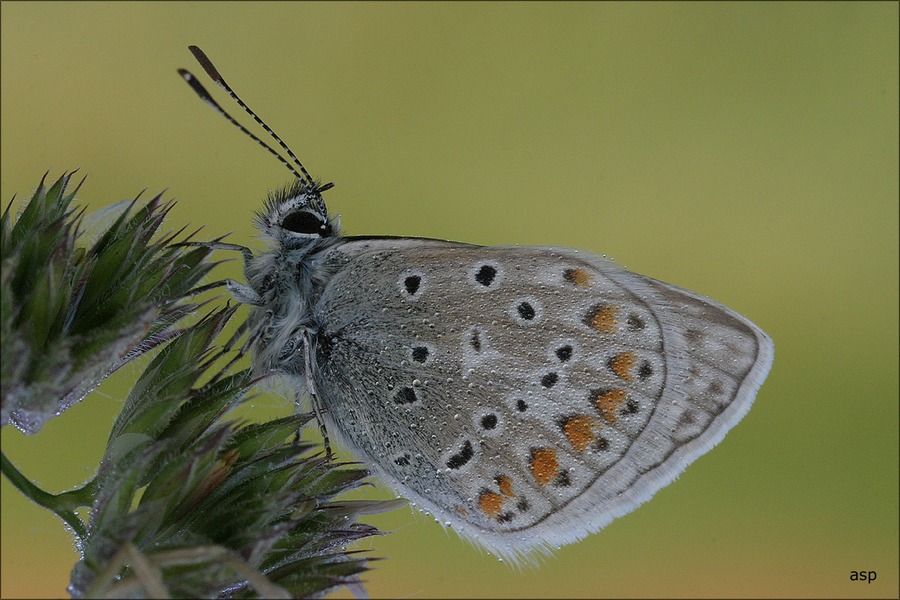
<point x="505" y="485"/>
<point x="491" y="503"/>
<point x="544" y="466"/>
<point x="580" y="431"/>
<point x="603" y="319"/>
<point x="608" y="402"/>
<point x="621" y="365"/>
<point x="578" y="277"/>
<point x="461" y="511"/>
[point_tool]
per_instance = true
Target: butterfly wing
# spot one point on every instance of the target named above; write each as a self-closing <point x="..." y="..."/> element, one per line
<point x="525" y="396"/>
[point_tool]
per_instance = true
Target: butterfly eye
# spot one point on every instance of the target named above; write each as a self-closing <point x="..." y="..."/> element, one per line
<point x="302" y="221"/>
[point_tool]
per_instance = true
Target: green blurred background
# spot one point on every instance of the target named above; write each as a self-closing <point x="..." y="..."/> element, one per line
<point x="745" y="151"/>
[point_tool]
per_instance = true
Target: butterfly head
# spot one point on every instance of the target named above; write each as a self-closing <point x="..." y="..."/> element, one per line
<point x="296" y="216"/>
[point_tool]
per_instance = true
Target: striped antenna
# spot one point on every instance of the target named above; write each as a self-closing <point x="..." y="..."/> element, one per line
<point x="301" y="174"/>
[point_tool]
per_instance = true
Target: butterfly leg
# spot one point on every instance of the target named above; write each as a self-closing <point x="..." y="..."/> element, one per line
<point x="217" y="245"/>
<point x="243" y="293"/>
<point x="240" y="292"/>
<point x="314" y="396"/>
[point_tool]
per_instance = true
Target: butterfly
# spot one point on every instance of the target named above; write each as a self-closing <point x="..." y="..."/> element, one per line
<point x="524" y="396"/>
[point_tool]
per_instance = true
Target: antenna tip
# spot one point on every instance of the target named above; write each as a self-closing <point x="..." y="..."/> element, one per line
<point x="206" y="64"/>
